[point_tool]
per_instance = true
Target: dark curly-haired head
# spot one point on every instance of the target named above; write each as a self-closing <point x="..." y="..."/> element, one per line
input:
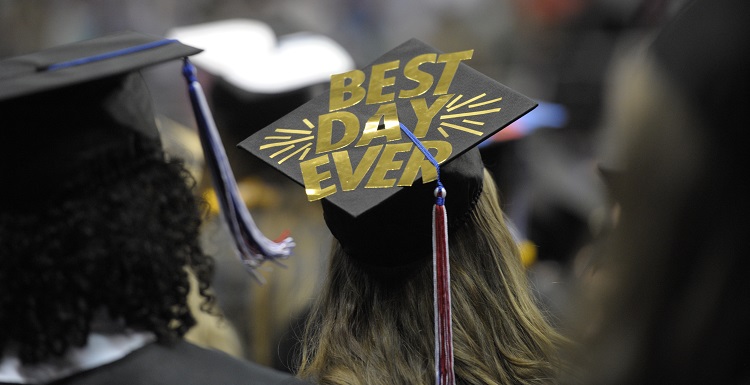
<point x="123" y="247"/>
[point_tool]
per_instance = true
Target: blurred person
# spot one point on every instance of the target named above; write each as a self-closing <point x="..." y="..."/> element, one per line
<point x="99" y="228"/>
<point x="667" y="301"/>
<point x="560" y="53"/>
<point x="384" y="314"/>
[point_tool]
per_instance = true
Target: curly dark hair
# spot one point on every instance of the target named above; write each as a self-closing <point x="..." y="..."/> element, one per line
<point x="123" y="247"/>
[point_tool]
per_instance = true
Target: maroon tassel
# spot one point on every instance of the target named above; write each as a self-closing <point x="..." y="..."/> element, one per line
<point x="442" y="293"/>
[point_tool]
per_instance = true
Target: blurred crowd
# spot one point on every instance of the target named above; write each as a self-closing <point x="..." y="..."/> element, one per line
<point x="558" y="52"/>
<point x="568" y="55"/>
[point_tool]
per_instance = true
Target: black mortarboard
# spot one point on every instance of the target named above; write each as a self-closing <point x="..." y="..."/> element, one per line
<point x="346" y="145"/>
<point x="86" y="104"/>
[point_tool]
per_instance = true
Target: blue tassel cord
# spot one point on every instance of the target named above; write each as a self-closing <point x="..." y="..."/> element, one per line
<point x="441" y="278"/>
<point x="253" y="247"/>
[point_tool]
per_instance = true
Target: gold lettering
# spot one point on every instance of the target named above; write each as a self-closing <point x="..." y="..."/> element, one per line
<point x="325" y="131"/>
<point x="425" y="113"/>
<point x="392" y="131"/>
<point x="350" y="179"/>
<point x="340" y="88"/>
<point x="412" y="72"/>
<point x="385" y="164"/>
<point x="417" y="162"/>
<point x="312" y="178"/>
<point x="451" y="60"/>
<point x="378" y="81"/>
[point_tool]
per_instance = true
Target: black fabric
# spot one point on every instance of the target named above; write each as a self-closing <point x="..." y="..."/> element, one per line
<point x="180" y="364"/>
<point x="396" y="234"/>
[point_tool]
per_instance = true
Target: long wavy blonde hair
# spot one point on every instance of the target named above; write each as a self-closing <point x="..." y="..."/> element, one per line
<point x="369" y="329"/>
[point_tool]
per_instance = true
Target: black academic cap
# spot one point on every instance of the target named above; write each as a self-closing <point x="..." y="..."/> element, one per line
<point x="65" y="106"/>
<point x="347" y="146"/>
<point x="85" y="106"/>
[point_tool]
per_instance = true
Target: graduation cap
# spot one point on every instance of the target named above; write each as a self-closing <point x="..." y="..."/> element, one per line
<point x="86" y="105"/>
<point x="347" y="145"/>
<point x="382" y="147"/>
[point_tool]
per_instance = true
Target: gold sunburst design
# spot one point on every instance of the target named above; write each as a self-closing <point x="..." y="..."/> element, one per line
<point x="469" y="111"/>
<point x="295" y="140"/>
<point x="290" y="142"/>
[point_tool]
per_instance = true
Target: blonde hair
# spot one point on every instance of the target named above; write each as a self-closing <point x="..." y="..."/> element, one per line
<point x="369" y="329"/>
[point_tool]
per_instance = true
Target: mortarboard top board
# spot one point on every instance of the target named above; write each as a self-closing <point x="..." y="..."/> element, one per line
<point x="346" y="145"/>
<point x="71" y="64"/>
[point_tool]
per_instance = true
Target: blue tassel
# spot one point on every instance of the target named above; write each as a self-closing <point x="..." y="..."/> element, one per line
<point x="439" y="199"/>
<point x="253" y="247"/>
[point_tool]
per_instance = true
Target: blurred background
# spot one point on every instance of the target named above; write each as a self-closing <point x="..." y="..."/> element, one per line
<point x="558" y="52"/>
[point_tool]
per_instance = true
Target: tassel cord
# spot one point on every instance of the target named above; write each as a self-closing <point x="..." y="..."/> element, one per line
<point x="443" y="324"/>
<point x="254" y="248"/>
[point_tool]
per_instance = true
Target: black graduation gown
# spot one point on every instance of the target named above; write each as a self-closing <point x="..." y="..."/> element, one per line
<point x="181" y="363"/>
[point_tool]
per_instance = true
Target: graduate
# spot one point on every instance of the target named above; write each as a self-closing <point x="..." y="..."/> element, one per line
<point x="99" y="228"/>
<point x="666" y="301"/>
<point x="425" y="283"/>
